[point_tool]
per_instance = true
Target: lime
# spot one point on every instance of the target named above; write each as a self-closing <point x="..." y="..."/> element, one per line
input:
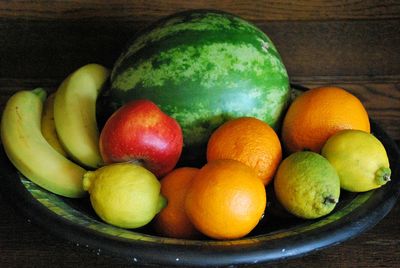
<point x="359" y="158"/>
<point x="124" y="194"/>
<point x="307" y="185"/>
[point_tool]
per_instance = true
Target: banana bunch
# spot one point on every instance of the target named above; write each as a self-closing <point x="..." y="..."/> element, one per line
<point x="39" y="135"/>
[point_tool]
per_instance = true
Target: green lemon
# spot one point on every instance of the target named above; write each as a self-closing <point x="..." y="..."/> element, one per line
<point x="307" y="185"/>
<point x="124" y="194"/>
<point x="359" y="158"/>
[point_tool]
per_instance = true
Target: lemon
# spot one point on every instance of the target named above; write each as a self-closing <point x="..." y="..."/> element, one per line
<point x="359" y="158"/>
<point x="124" y="194"/>
<point x="307" y="185"/>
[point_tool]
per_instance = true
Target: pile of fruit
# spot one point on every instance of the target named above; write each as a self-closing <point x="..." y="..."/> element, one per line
<point x="195" y="124"/>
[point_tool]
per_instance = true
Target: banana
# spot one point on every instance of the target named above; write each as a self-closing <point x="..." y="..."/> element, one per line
<point x="29" y="151"/>
<point x="48" y="126"/>
<point x="75" y="114"/>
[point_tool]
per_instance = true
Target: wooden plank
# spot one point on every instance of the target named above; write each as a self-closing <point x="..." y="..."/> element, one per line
<point x="50" y="49"/>
<point x="149" y="10"/>
<point x="338" y="48"/>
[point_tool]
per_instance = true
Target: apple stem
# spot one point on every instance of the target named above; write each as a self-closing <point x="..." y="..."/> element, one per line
<point x="137" y="162"/>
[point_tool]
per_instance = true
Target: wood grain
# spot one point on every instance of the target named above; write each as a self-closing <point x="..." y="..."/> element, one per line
<point x="353" y="49"/>
<point x="143" y="10"/>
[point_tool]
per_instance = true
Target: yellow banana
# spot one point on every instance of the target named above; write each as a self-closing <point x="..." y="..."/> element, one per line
<point x="75" y="113"/>
<point x="29" y="151"/>
<point x="48" y="126"/>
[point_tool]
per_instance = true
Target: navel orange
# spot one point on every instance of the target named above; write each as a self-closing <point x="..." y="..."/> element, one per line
<point x="226" y="199"/>
<point x="250" y="141"/>
<point x="172" y="221"/>
<point x="319" y="113"/>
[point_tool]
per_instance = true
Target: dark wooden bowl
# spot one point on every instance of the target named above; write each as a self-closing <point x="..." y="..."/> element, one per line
<point x="278" y="236"/>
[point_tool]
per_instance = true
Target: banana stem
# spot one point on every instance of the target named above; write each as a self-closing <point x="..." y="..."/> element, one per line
<point x="41" y="93"/>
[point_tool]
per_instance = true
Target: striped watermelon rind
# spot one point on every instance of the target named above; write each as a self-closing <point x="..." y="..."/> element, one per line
<point x="202" y="68"/>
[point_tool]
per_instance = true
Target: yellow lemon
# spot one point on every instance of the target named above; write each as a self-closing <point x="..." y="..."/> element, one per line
<point x="359" y="158"/>
<point x="124" y="194"/>
<point x="307" y="185"/>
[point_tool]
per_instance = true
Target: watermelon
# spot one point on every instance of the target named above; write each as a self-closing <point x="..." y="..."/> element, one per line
<point x="202" y="68"/>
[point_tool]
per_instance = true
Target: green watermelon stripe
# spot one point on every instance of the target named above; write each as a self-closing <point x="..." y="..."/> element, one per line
<point x="202" y="39"/>
<point x="188" y="22"/>
<point x="189" y="61"/>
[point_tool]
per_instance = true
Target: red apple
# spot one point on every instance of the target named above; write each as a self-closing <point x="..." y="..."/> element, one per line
<point x="140" y="132"/>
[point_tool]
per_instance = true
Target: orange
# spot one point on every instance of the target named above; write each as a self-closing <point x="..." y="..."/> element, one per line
<point x="250" y="141"/>
<point x="172" y="221"/>
<point x="319" y="113"/>
<point x="226" y="199"/>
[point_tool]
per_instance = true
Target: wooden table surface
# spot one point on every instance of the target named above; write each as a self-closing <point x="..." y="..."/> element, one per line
<point x="353" y="44"/>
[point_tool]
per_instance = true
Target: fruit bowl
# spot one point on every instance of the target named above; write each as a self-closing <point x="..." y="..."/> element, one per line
<point x="276" y="237"/>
